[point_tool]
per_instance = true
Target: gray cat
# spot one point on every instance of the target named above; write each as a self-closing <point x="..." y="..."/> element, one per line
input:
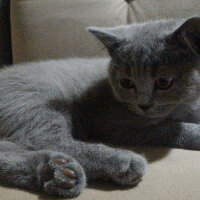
<point x="55" y="115"/>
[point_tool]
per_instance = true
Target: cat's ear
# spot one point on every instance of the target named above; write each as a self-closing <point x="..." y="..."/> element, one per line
<point x="188" y="33"/>
<point x="107" y="36"/>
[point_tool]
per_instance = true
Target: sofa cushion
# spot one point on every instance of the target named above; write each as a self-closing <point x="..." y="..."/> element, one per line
<point x="171" y="175"/>
<point x="43" y="29"/>
<point x="142" y="10"/>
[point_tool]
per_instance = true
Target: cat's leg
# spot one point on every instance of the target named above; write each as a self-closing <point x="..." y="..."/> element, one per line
<point x="53" y="131"/>
<point x="57" y="173"/>
<point x="49" y="171"/>
<point x="173" y="134"/>
<point x="100" y="161"/>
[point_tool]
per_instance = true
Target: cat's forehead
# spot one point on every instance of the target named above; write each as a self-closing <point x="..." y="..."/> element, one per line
<point x="147" y="38"/>
<point x="147" y="47"/>
<point x="149" y="31"/>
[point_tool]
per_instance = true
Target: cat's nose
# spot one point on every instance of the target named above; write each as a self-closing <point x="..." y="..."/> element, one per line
<point x="145" y="107"/>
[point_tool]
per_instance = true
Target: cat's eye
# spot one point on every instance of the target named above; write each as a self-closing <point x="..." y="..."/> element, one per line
<point x="164" y="84"/>
<point x="126" y="83"/>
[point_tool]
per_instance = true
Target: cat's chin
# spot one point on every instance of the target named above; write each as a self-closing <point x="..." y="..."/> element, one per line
<point x="153" y="115"/>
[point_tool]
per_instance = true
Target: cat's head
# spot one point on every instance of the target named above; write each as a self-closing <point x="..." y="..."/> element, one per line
<point x="154" y="65"/>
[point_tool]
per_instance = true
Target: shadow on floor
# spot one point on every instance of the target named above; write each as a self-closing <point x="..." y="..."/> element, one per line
<point x="152" y="154"/>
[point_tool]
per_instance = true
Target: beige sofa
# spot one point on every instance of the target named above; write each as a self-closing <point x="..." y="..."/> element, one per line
<point x="46" y="29"/>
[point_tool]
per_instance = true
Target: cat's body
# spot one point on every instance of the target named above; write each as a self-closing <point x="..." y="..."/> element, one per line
<point x="50" y="112"/>
<point x="56" y="85"/>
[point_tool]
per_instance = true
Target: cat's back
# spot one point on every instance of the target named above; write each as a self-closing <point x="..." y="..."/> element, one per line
<point x="54" y="77"/>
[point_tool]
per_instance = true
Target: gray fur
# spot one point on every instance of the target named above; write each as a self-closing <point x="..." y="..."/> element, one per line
<point x="66" y="109"/>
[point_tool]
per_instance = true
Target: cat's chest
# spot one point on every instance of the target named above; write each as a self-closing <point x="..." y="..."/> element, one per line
<point x="117" y="119"/>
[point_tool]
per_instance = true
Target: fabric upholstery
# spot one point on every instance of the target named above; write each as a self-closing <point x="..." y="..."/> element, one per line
<point x="142" y="10"/>
<point x="5" y="39"/>
<point x="43" y="29"/>
<point x="40" y="32"/>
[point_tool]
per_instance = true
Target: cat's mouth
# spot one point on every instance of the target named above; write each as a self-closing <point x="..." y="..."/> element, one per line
<point x="160" y="111"/>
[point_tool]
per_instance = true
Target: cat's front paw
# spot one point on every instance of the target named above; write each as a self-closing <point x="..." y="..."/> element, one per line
<point x="61" y="175"/>
<point x="130" y="170"/>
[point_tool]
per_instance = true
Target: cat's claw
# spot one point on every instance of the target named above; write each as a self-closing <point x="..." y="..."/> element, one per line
<point x="62" y="176"/>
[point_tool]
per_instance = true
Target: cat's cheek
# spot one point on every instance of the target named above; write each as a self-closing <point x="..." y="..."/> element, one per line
<point x="125" y="96"/>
